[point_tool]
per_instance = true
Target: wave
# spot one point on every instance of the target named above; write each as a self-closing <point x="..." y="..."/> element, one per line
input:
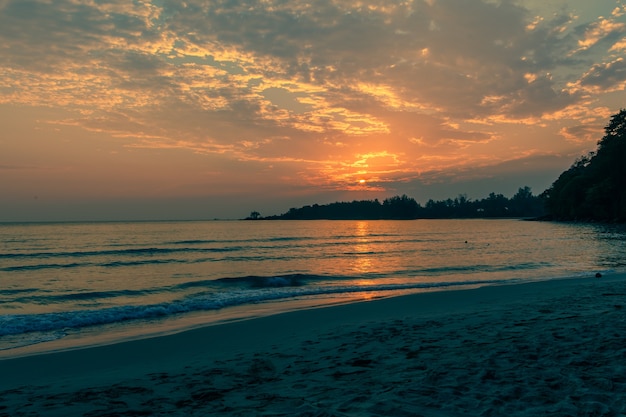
<point x="33" y="295"/>
<point x="114" y="264"/>
<point x="226" y="241"/>
<point x="94" y="295"/>
<point x="14" y="291"/>
<point x="195" y="246"/>
<point x="63" y="321"/>
<point x="444" y="270"/>
<point x="130" y="257"/>
<point x="40" y="266"/>
<point x="116" y="252"/>
<point x="289" y="280"/>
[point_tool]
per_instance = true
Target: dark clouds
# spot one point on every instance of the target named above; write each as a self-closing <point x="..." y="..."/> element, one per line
<point x="607" y="76"/>
<point x="464" y="58"/>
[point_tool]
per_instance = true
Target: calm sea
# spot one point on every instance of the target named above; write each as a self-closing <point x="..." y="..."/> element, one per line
<point x="77" y="282"/>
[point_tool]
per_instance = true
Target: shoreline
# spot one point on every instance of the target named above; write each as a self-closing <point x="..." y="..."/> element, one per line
<point x="85" y="338"/>
<point x="406" y="352"/>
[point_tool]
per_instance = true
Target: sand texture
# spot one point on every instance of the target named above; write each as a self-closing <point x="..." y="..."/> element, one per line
<point x="544" y="349"/>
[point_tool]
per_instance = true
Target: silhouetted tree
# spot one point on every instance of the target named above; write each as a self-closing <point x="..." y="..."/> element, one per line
<point x="496" y="205"/>
<point x="403" y="207"/>
<point x="609" y="187"/>
<point x="463" y="206"/>
<point x="523" y="204"/>
<point x="594" y="187"/>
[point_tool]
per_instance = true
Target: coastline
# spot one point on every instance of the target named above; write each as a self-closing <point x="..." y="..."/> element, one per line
<point x="555" y="346"/>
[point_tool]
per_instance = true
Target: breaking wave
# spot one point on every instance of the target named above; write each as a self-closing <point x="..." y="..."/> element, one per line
<point x="25" y="323"/>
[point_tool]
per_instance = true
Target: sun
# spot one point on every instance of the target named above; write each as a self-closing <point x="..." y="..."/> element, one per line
<point x="361" y="181"/>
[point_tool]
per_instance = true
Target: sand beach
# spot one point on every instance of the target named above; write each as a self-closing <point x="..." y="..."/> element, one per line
<point x="537" y="349"/>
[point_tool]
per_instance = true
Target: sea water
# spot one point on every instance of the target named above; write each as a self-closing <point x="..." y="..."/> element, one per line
<point x="80" y="282"/>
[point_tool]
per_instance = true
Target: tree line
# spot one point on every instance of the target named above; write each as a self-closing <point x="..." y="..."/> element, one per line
<point x="592" y="189"/>
<point x="522" y="204"/>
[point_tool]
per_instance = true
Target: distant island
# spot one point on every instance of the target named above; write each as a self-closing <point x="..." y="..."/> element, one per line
<point x="522" y="204"/>
<point x="592" y="189"/>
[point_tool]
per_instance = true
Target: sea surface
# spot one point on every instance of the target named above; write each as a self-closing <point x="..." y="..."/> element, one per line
<point x="80" y="283"/>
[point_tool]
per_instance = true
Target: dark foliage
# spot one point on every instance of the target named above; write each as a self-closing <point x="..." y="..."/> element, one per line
<point x="594" y="187"/>
<point x="523" y="204"/>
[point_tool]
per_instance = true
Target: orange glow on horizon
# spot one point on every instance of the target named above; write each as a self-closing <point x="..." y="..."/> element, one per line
<point x="231" y="120"/>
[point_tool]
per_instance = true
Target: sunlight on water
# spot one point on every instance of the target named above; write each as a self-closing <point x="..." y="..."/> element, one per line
<point x="67" y="277"/>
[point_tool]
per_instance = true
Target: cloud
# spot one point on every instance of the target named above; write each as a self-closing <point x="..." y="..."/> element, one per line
<point x="422" y="84"/>
<point x="581" y="133"/>
<point x="602" y="30"/>
<point x="606" y="77"/>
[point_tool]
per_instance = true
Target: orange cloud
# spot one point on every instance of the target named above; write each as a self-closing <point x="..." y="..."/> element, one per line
<point x="326" y="93"/>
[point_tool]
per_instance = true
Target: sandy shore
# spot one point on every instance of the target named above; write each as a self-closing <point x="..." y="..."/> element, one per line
<point x="548" y="348"/>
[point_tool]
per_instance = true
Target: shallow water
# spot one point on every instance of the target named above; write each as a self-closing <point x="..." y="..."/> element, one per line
<point x="73" y="280"/>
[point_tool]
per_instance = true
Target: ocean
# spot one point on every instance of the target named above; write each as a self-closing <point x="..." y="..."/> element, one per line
<point x="71" y="284"/>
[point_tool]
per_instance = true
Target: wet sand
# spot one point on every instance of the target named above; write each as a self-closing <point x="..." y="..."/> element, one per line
<point x="546" y="348"/>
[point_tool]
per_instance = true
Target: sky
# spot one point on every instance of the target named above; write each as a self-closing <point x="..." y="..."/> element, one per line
<point x="156" y="110"/>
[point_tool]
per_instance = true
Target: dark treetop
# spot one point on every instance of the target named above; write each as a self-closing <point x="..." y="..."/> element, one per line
<point x="594" y="187"/>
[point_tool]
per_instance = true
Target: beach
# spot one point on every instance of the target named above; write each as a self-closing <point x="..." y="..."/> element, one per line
<point x="554" y="347"/>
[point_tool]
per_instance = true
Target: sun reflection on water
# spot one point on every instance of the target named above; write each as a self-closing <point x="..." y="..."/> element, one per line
<point x="363" y="261"/>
